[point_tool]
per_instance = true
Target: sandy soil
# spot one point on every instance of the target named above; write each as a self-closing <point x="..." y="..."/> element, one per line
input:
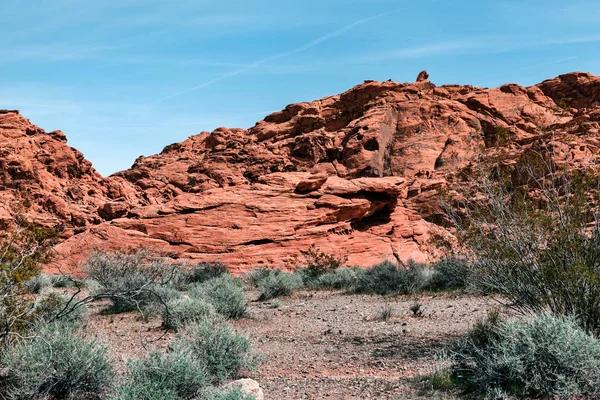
<point x="330" y="345"/>
<point x="324" y="344"/>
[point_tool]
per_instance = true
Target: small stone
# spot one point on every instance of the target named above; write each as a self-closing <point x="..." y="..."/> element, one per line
<point x="247" y="386"/>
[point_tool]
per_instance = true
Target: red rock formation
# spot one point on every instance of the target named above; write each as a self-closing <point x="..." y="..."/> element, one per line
<point x="358" y="174"/>
<point x="43" y="178"/>
<point x="423" y="76"/>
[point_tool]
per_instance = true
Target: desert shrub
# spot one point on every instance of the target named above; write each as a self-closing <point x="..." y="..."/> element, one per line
<point x="204" y="271"/>
<point x="222" y="353"/>
<point x="278" y="283"/>
<point x="56" y="363"/>
<point x="416" y="309"/>
<point x="175" y="375"/>
<point x="36" y="284"/>
<point x="535" y="237"/>
<point x="385" y="313"/>
<point x="161" y="296"/>
<point x="22" y="252"/>
<point x="183" y="311"/>
<point x="544" y="357"/>
<point x="224" y="294"/>
<point x="255" y="276"/>
<point x="225" y="394"/>
<point x="144" y="391"/>
<point x="55" y="307"/>
<point x="342" y="278"/>
<point x="62" y="281"/>
<point x="388" y="278"/>
<point x="318" y="262"/>
<point x="450" y="273"/>
<point x="132" y="281"/>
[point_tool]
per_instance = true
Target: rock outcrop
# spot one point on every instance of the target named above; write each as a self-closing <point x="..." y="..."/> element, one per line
<point x="358" y="174"/>
<point x="423" y="76"/>
<point x="47" y="180"/>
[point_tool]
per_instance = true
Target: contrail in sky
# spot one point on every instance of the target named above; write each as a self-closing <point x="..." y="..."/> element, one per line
<point x="258" y="63"/>
<point x="551" y="62"/>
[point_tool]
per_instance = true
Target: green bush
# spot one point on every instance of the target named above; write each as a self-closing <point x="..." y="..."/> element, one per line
<point x="175" y="375"/>
<point x="55" y="307"/>
<point x="255" y="276"/>
<point x="145" y="391"/>
<point x="57" y="363"/>
<point x="36" y="284"/>
<point x="203" y="272"/>
<point x="318" y="262"/>
<point x="225" y="394"/>
<point x="132" y="281"/>
<point x="23" y="250"/>
<point x="345" y="278"/>
<point x="225" y="295"/>
<point x="222" y="353"/>
<point x="534" y="230"/>
<point x="161" y="295"/>
<point x="450" y="273"/>
<point x="278" y="283"/>
<point x="62" y="281"/>
<point x="544" y="357"/>
<point x="206" y="353"/>
<point x="388" y="278"/>
<point x="183" y="311"/>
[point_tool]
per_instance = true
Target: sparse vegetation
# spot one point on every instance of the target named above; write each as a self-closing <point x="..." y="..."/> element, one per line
<point x="224" y="294"/>
<point x="345" y="278"/>
<point x="389" y="278"/>
<point x="222" y="353"/>
<point x="175" y="375"/>
<point x="22" y="252"/>
<point x="37" y="284"/>
<point x="132" y="281"/>
<point x="450" y="273"/>
<point x="56" y="363"/>
<point x="543" y="357"/>
<point x="385" y="313"/>
<point x="277" y="283"/>
<point x="317" y="262"/>
<point x="537" y="244"/>
<point x="257" y="275"/>
<point x="225" y="394"/>
<point x="62" y="281"/>
<point x="202" y="272"/>
<point x="417" y="309"/>
<point x="54" y="307"/>
<point x="206" y="353"/>
<point x="183" y="311"/>
<point x="384" y="278"/>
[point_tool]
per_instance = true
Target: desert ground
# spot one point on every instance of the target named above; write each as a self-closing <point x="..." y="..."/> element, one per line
<point x="325" y="344"/>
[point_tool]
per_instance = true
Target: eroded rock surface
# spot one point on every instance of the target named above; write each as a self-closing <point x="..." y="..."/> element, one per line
<point x="359" y="174"/>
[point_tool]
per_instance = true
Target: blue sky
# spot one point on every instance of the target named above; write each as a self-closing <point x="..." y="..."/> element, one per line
<point x="124" y="78"/>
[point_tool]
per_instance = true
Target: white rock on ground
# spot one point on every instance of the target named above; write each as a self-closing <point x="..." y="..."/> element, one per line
<point x="248" y="386"/>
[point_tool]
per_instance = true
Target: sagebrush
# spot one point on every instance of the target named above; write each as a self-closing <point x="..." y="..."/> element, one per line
<point x="224" y="293"/>
<point x="543" y="357"/>
<point x="56" y="363"/>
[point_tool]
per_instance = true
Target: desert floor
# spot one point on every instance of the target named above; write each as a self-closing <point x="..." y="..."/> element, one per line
<point x="326" y="344"/>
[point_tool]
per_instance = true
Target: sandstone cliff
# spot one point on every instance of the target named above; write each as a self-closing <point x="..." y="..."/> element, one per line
<point x="358" y="174"/>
